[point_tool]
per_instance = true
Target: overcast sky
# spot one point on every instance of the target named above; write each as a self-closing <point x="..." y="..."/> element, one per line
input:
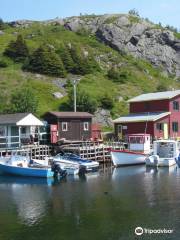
<point x="164" y="11"/>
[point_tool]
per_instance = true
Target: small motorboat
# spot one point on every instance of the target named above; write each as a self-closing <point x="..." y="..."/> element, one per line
<point x="22" y="166"/>
<point x="72" y="160"/>
<point x="138" y="148"/>
<point x="165" y="154"/>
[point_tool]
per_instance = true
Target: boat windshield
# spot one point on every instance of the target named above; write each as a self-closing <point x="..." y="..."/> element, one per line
<point x="136" y="139"/>
<point x="166" y="149"/>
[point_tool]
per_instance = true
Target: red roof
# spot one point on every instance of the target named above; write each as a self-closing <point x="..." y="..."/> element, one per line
<point x="72" y="114"/>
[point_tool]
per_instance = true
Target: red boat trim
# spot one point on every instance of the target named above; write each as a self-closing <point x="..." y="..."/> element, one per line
<point x="129" y="152"/>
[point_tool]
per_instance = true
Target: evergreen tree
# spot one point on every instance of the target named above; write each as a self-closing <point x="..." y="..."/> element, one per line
<point x="83" y="64"/>
<point x="23" y="100"/>
<point x="64" y="53"/>
<point x="44" y="60"/>
<point x="17" y="50"/>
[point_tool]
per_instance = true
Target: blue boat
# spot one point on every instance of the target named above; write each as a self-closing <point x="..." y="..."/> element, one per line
<point x="26" y="171"/>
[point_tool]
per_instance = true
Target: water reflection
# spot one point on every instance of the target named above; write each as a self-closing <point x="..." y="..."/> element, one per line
<point x="28" y="195"/>
<point x="104" y="205"/>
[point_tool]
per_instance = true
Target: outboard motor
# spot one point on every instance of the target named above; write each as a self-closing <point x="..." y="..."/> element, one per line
<point x="178" y="160"/>
<point x="57" y="170"/>
<point x="82" y="170"/>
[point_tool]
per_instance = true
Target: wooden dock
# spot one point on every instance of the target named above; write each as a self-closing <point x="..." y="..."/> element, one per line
<point x="94" y="151"/>
<point x="39" y="152"/>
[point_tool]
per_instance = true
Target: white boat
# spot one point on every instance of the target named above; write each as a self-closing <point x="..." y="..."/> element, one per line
<point x="139" y="147"/>
<point x="72" y="160"/>
<point x="70" y="169"/>
<point x="165" y="154"/>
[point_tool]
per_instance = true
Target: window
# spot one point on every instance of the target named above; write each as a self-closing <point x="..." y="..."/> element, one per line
<point x="64" y="126"/>
<point x="146" y="105"/>
<point x="175" y="126"/>
<point x="23" y="130"/>
<point x="176" y="106"/>
<point x="159" y="126"/>
<point x="2" y="131"/>
<point x="86" y="126"/>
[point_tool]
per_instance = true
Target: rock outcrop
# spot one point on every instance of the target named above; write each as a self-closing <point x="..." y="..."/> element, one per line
<point x="130" y="34"/>
<point x="127" y="34"/>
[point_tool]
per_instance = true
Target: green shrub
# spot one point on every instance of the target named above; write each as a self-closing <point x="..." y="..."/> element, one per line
<point x="85" y="102"/>
<point x="107" y="101"/>
<point x="3" y="64"/>
<point x="118" y="76"/>
<point x="23" y="100"/>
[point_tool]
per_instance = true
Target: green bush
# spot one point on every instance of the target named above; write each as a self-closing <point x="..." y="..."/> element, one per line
<point x="118" y="76"/>
<point x="23" y="100"/>
<point x="107" y="101"/>
<point x="3" y="64"/>
<point x="85" y="102"/>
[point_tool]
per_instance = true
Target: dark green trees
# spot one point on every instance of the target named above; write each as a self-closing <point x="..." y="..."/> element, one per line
<point x="44" y="60"/>
<point x="17" y="50"/>
<point x="65" y="55"/>
<point x="83" y="60"/>
<point x="77" y="60"/>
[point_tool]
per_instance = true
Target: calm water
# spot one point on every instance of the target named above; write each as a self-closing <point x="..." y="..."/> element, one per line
<point x="103" y="206"/>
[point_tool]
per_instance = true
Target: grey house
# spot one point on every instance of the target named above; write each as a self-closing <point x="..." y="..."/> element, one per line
<point x="18" y="129"/>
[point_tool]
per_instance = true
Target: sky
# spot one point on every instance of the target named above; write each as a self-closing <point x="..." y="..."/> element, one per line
<point x="164" y="11"/>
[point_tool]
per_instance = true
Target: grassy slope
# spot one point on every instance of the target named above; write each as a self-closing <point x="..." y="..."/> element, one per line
<point x="142" y="76"/>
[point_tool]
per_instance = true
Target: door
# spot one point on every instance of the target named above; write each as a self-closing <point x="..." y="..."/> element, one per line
<point x="119" y="132"/>
<point x="166" y="135"/>
<point x="76" y="135"/>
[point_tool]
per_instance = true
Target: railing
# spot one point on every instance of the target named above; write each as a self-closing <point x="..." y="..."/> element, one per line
<point x="9" y="141"/>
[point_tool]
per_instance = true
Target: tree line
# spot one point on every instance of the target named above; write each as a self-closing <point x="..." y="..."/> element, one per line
<point x="46" y="59"/>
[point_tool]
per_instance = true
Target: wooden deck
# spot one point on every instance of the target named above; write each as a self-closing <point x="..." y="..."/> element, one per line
<point x="94" y="151"/>
<point x="33" y="151"/>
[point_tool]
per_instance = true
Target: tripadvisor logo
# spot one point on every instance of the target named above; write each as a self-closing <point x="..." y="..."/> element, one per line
<point x="139" y="231"/>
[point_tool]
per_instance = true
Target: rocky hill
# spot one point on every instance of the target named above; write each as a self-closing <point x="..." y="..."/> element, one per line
<point x="131" y="34"/>
<point x="146" y="57"/>
<point x="128" y="34"/>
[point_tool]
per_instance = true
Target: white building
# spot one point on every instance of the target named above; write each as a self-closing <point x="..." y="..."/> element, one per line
<point x="18" y="129"/>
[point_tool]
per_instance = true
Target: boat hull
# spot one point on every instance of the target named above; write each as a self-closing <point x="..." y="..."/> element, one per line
<point x="26" y="172"/>
<point x="123" y="158"/>
<point x="160" y="162"/>
<point x="83" y="165"/>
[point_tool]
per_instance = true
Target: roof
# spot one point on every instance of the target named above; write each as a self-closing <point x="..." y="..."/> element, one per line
<point x="155" y="96"/>
<point x="142" y="117"/>
<point x="20" y="119"/>
<point x="72" y="114"/>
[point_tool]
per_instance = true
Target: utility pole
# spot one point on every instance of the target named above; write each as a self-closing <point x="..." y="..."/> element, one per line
<point x="74" y="84"/>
